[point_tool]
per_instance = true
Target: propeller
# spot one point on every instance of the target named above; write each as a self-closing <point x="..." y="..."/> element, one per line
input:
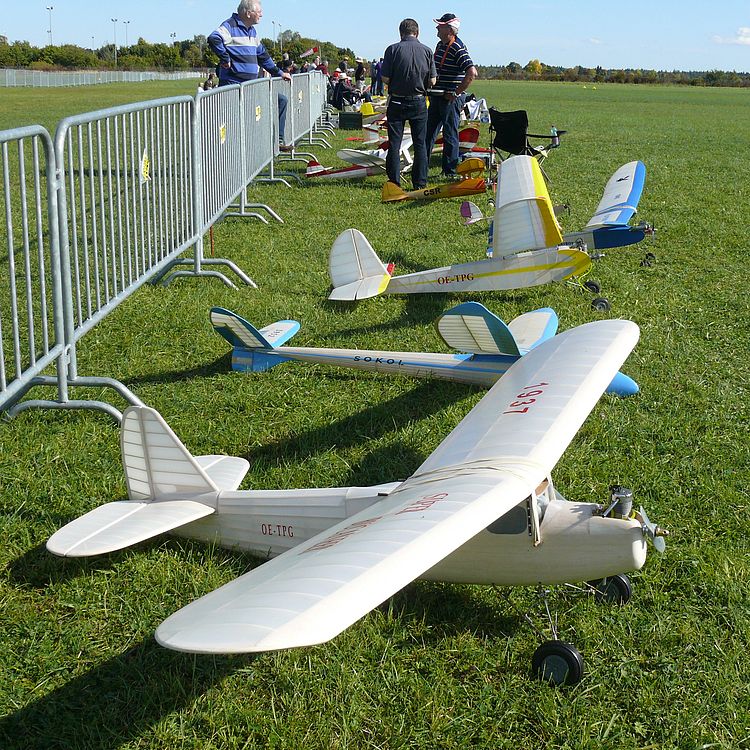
<point x="655" y="533"/>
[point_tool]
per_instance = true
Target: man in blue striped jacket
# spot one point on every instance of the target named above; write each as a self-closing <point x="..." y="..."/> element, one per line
<point x="455" y="72"/>
<point x="241" y="53"/>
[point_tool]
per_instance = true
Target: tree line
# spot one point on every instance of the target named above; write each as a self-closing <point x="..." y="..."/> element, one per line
<point x="196" y="54"/>
<point x="538" y="71"/>
<point x="181" y="55"/>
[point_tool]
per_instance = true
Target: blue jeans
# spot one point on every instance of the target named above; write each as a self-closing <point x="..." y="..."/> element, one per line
<point x="445" y="115"/>
<point x="283" y="101"/>
<point x="413" y="111"/>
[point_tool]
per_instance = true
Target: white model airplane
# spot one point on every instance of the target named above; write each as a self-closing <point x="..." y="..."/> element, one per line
<point x="609" y="226"/>
<point x="528" y="248"/>
<point x="488" y="347"/>
<point x="481" y="509"/>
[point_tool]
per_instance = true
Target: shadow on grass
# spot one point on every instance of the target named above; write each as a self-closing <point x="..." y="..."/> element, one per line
<point x="426" y="399"/>
<point x="117" y="701"/>
<point x="218" y="367"/>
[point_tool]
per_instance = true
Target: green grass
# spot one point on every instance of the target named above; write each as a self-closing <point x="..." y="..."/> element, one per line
<point x="437" y="666"/>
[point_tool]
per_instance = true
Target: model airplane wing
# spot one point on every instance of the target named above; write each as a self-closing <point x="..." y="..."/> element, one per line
<point x="524" y="215"/>
<point x="495" y="458"/>
<point x="356" y="271"/>
<point x="361" y="158"/>
<point x="621" y="195"/>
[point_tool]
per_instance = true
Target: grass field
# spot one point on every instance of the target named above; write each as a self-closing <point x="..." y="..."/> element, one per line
<point x="437" y="666"/>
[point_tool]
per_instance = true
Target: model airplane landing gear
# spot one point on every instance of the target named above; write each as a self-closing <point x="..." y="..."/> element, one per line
<point x="615" y="589"/>
<point x="558" y="663"/>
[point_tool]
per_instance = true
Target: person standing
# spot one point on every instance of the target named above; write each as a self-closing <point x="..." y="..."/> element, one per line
<point x="408" y="70"/>
<point x="242" y="55"/>
<point x="455" y="72"/>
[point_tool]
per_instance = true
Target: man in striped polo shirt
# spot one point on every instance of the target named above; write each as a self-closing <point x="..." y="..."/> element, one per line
<point x="455" y="72"/>
<point x="241" y="54"/>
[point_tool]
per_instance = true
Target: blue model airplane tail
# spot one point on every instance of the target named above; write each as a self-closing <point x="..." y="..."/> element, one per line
<point x="253" y="350"/>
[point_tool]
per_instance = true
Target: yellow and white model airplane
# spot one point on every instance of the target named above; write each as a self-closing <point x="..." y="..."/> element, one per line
<point x="528" y="248"/>
<point x="481" y="509"/>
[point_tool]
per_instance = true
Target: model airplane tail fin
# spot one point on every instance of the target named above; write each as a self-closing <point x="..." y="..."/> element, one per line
<point x="471" y="213"/>
<point x="356" y="271"/>
<point x="168" y="488"/>
<point x="533" y="328"/>
<point x="313" y="168"/>
<point x="524" y="215"/>
<point x="252" y="348"/>
<point x="392" y="192"/>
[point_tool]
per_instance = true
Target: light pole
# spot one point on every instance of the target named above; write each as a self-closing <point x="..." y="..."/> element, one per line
<point x="50" y="8"/>
<point x="281" y="40"/>
<point x="275" y="35"/>
<point x="127" y="23"/>
<point x="114" y="26"/>
<point x="93" y="44"/>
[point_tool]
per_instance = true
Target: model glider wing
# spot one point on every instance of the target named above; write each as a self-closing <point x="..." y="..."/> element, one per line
<point x="524" y="215"/>
<point x="362" y="158"/>
<point x="471" y="327"/>
<point x="355" y="269"/>
<point x="495" y="457"/>
<point x="621" y="195"/>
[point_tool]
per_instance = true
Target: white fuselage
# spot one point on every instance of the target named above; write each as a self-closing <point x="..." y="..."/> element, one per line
<point x="484" y="369"/>
<point x="521" y="270"/>
<point x="574" y="543"/>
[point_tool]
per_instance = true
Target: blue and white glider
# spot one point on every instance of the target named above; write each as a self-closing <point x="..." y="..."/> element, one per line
<point x="488" y="347"/>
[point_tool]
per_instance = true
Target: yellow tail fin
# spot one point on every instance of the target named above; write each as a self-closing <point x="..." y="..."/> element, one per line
<point x="392" y="192"/>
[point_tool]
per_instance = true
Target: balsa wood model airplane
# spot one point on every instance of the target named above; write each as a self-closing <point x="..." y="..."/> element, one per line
<point x="528" y="249"/>
<point x="481" y="509"/>
<point x="488" y="347"/>
<point x="609" y="226"/>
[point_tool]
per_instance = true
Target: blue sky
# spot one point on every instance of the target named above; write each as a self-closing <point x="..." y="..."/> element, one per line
<point x="658" y="34"/>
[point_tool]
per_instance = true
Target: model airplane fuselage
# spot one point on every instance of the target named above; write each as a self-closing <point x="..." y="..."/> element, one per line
<point x="488" y="347"/>
<point x="470" y="186"/>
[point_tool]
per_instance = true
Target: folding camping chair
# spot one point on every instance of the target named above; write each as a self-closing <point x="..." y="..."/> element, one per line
<point x="512" y="136"/>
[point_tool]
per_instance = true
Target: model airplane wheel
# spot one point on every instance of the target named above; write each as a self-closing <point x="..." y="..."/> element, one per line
<point x="601" y="304"/>
<point x="558" y="663"/>
<point x="593" y="286"/>
<point x="616" y="589"/>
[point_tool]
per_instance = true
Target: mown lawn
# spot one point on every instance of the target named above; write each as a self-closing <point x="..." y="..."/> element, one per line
<point x="437" y="666"/>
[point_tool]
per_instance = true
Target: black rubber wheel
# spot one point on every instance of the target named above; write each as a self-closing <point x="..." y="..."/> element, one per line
<point x="615" y="589"/>
<point x="601" y="304"/>
<point x="558" y="663"/>
<point x="649" y="257"/>
<point x="593" y="286"/>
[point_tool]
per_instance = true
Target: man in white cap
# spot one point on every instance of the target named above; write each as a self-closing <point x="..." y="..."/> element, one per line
<point x="455" y="72"/>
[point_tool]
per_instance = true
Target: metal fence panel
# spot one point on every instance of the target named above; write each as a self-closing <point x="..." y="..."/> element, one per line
<point x="259" y="128"/>
<point x="300" y="106"/>
<point x="49" y="79"/>
<point x="220" y="126"/>
<point x="125" y="202"/>
<point x="31" y="332"/>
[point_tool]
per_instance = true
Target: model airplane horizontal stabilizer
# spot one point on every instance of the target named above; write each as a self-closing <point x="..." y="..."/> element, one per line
<point x="471" y="186"/>
<point x="496" y="457"/>
<point x="471" y="327"/>
<point x="121" y="524"/>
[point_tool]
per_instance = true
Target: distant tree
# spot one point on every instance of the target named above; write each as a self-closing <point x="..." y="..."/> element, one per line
<point x="533" y="68"/>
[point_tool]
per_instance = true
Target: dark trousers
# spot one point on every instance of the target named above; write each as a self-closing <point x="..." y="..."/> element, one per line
<point x="445" y="115"/>
<point x="283" y="101"/>
<point x="413" y="111"/>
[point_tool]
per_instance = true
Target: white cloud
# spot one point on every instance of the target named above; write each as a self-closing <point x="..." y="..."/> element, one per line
<point x="594" y="40"/>
<point x="743" y="37"/>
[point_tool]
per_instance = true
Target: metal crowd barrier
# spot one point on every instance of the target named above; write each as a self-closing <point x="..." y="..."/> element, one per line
<point x="47" y="79"/>
<point x="31" y="320"/>
<point x="108" y="206"/>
